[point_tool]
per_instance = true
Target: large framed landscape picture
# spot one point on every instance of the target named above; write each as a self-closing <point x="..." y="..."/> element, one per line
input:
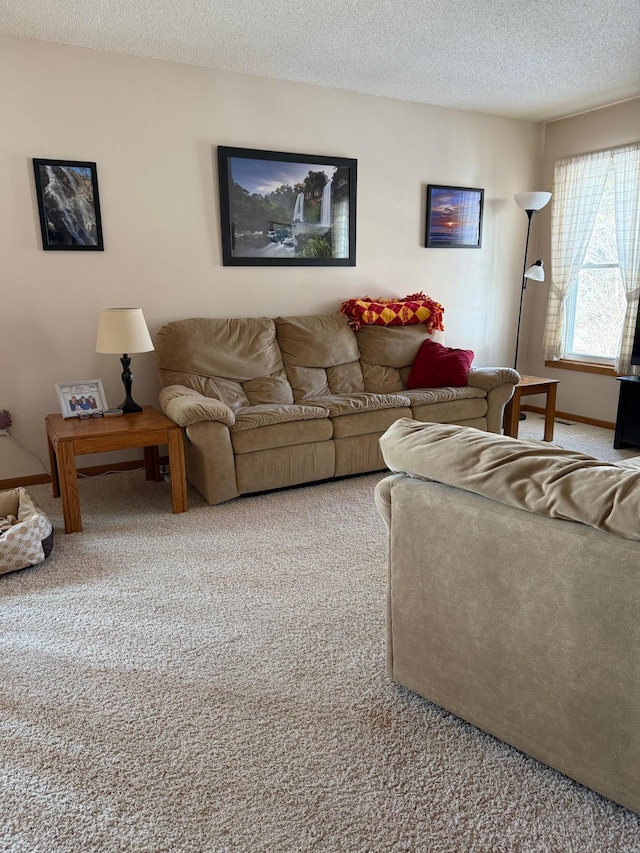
<point x="454" y="217"/>
<point x="281" y="209"/>
<point x="68" y="203"/>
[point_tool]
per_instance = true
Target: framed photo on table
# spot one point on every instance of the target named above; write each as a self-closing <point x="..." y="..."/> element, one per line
<point x="280" y="209"/>
<point x="82" y="399"/>
<point x="454" y="217"/>
<point x="68" y="204"/>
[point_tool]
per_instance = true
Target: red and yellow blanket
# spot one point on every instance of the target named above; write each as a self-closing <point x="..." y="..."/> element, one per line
<point x="416" y="308"/>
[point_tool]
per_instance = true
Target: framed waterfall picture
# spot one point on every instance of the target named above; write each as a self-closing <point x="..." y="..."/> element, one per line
<point x="454" y="217"/>
<point x="285" y="210"/>
<point x="69" y="206"/>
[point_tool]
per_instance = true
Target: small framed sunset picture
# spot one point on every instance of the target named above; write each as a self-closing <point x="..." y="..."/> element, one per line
<point x="454" y="217"/>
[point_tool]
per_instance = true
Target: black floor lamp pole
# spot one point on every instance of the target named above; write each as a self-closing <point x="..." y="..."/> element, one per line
<point x="524" y="284"/>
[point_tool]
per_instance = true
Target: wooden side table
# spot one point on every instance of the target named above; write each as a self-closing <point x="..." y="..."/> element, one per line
<point x="527" y="386"/>
<point x="70" y="437"/>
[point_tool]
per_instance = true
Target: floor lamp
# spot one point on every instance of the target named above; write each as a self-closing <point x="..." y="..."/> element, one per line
<point x="530" y="203"/>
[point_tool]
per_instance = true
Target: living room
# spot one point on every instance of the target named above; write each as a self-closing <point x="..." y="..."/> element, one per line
<point x="153" y="126"/>
<point x="161" y="218"/>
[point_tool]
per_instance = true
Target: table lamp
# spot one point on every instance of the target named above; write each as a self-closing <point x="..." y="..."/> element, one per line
<point x="123" y="330"/>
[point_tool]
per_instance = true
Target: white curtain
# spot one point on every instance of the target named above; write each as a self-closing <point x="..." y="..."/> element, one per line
<point x="468" y="218"/>
<point x="626" y="165"/>
<point x="578" y="185"/>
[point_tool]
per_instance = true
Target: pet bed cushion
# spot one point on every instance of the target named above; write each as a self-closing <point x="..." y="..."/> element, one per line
<point x="26" y="536"/>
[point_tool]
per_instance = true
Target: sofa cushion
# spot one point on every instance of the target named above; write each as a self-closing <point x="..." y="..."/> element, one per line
<point x="314" y="382"/>
<point x="272" y="390"/>
<point x="471" y="412"/>
<point x="308" y="382"/>
<point x="366" y="423"/>
<point x="316" y="341"/>
<point x="320" y="355"/>
<point x="349" y="404"/>
<point x="363" y="414"/>
<point x="437" y="366"/>
<point x="633" y="463"/>
<point x="387" y="354"/>
<point x="546" y="480"/>
<point x="259" y="431"/>
<point x="230" y="393"/>
<point x="428" y="396"/>
<point x="448" y="405"/>
<point x="250" y="417"/>
<point x="237" y="360"/>
<point x="279" y="467"/>
<point x="237" y="349"/>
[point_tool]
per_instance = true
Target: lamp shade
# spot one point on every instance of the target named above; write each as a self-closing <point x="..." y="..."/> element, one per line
<point x="532" y="201"/>
<point x="123" y="330"/>
<point x="535" y="272"/>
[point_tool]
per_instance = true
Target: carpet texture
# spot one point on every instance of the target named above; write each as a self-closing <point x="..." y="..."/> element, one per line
<point x="592" y="440"/>
<point x="214" y="681"/>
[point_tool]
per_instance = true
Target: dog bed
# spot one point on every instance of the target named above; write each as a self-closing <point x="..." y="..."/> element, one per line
<point x="26" y="534"/>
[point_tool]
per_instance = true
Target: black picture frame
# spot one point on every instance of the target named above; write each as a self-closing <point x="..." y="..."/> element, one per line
<point x="454" y="217"/>
<point x="69" y="205"/>
<point x="273" y="214"/>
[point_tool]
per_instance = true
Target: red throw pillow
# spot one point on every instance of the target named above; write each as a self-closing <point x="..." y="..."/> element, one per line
<point x="437" y="366"/>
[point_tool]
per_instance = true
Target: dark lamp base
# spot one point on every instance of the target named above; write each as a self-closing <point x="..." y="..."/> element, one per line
<point x="127" y="379"/>
<point x="129" y="406"/>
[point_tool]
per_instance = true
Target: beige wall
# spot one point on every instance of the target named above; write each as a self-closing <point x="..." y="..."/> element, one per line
<point x="153" y="127"/>
<point x="586" y="394"/>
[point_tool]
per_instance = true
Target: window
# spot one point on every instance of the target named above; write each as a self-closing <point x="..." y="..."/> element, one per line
<point x="596" y="305"/>
<point x="595" y="258"/>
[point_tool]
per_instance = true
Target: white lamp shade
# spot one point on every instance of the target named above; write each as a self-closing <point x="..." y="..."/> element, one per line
<point x="532" y="201"/>
<point x="123" y="330"/>
<point x="535" y="272"/>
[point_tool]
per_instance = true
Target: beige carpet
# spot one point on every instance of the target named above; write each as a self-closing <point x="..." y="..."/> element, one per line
<point x="214" y="681"/>
<point x="593" y="440"/>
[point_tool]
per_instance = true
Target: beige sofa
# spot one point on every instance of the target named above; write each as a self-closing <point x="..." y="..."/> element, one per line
<point x="272" y="403"/>
<point x="514" y="594"/>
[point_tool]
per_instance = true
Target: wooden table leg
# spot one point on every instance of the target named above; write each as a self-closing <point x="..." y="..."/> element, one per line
<point x="550" y="412"/>
<point x="511" y="418"/>
<point x="178" y="472"/>
<point x="53" y="467"/>
<point x="152" y="464"/>
<point x="68" y="477"/>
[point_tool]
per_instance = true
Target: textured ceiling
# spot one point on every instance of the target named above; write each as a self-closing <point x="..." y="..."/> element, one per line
<point x="538" y="60"/>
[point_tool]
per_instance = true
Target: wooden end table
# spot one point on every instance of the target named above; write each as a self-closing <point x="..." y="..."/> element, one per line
<point x="527" y="386"/>
<point x="71" y="437"/>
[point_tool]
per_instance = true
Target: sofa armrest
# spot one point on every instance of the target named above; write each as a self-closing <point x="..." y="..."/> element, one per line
<point x="186" y="406"/>
<point x="488" y="378"/>
<point x="498" y="382"/>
